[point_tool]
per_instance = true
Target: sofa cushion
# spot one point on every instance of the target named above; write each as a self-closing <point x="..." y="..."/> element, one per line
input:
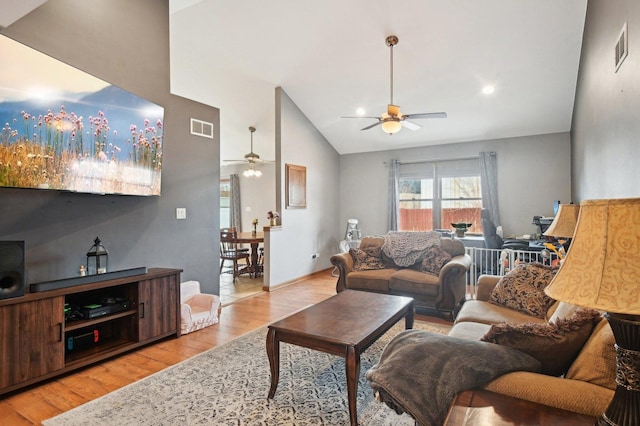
<point x="367" y="242"/>
<point x="434" y="259"/>
<point x="522" y="289"/>
<point x="366" y="259"/>
<point x="373" y="280"/>
<point x="596" y="362"/>
<point x="452" y="246"/>
<point x="469" y="330"/>
<point x="488" y="313"/>
<point x="412" y="281"/>
<point x="563" y="310"/>
<point x="555" y="344"/>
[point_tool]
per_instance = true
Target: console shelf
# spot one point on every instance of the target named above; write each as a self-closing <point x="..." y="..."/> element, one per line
<point x="111" y="345"/>
<point x="78" y="324"/>
<point x="41" y="344"/>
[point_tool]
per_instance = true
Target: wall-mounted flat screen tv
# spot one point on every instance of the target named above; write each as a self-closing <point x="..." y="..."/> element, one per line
<point x="64" y="129"/>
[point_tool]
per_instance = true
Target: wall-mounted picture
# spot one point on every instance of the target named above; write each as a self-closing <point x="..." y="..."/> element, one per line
<point x="64" y="129"/>
<point x="296" y="186"/>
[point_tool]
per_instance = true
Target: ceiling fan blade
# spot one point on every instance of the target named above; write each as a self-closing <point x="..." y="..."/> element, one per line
<point x="359" y="116"/>
<point x="409" y="125"/>
<point x="428" y="115"/>
<point x="371" y="126"/>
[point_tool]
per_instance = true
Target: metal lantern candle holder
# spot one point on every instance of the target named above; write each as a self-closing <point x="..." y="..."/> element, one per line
<point x="97" y="258"/>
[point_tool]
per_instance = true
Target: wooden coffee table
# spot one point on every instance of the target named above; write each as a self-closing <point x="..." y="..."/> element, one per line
<point x="344" y="325"/>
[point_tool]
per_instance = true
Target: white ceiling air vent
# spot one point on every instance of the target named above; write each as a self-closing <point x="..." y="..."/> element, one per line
<point x="622" y="47"/>
<point x="201" y="128"/>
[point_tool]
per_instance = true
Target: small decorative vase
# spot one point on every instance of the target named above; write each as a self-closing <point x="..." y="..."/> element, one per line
<point x="272" y="221"/>
<point x="460" y="232"/>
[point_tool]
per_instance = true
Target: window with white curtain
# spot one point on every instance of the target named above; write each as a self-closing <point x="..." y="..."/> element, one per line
<point x="433" y="195"/>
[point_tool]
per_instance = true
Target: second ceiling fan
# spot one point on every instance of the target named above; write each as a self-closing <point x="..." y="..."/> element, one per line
<point x="393" y="120"/>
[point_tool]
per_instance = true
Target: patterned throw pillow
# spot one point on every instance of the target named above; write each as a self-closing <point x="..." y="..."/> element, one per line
<point x="522" y="289"/>
<point x="434" y="259"/>
<point x="554" y="344"/>
<point x="366" y="259"/>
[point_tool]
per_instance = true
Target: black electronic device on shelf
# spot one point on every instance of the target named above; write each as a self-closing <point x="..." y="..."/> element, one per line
<point x="83" y="341"/>
<point x="107" y="306"/>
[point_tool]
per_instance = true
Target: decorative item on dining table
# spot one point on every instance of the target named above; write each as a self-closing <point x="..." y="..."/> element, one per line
<point x="254" y="222"/>
<point x="273" y="217"/>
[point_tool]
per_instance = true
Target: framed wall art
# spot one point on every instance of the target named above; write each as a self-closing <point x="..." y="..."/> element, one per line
<point x="295" y="186"/>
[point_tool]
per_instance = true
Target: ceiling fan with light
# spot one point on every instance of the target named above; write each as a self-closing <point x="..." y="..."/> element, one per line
<point x="393" y="120"/>
<point x="251" y="158"/>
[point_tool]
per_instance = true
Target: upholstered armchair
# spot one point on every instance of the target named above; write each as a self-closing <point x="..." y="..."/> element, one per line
<point x="197" y="310"/>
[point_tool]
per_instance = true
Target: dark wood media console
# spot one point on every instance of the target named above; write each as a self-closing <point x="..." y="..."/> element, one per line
<point x="38" y="343"/>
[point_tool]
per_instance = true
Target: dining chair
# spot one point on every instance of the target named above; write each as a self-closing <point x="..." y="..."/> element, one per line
<point x="229" y="250"/>
<point x="259" y="269"/>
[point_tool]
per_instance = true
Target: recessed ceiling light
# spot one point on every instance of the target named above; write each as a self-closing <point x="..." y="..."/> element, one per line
<point x="487" y="90"/>
<point x="361" y="111"/>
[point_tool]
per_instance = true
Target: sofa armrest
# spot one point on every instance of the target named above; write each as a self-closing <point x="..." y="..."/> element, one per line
<point x="485" y="286"/>
<point x="567" y="394"/>
<point x="453" y="281"/>
<point x="344" y="263"/>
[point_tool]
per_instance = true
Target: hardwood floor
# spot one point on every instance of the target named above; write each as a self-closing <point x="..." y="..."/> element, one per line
<point x="32" y="405"/>
<point x="243" y="286"/>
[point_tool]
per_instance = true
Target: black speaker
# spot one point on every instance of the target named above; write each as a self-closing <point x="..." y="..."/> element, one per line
<point x="11" y="269"/>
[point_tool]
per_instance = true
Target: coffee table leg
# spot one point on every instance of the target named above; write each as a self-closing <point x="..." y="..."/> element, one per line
<point x="273" y="352"/>
<point x="408" y="318"/>
<point x="352" y="364"/>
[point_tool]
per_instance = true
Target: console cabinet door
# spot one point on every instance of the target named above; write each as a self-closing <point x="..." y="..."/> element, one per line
<point x="157" y="307"/>
<point x="31" y="340"/>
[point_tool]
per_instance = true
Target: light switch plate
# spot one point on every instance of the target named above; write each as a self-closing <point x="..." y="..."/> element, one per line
<point x="181" y="213"/>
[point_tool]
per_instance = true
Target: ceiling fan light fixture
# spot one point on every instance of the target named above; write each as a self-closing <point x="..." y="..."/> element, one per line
<point x="252" y="173"/>
<point x="391" y="126"/>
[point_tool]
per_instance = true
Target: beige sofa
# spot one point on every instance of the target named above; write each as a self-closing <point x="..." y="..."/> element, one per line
<point x="589" y="383"/>
<point x="443" y="292"/>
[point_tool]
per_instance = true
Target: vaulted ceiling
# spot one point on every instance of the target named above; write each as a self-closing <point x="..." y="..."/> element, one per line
<point x="330" y="57"/>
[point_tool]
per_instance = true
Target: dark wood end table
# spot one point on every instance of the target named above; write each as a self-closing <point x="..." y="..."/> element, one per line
<point x="345" y="325"/>
<point x="480" y="407"/>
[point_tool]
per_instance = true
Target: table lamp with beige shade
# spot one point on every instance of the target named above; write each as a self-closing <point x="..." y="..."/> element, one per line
<point x="564" y="224"/>
<point x="602" y="271"/>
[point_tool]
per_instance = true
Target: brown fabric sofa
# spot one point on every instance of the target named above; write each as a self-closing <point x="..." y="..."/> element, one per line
<point x="588" y="385"/>
<point x="443" y="292"/>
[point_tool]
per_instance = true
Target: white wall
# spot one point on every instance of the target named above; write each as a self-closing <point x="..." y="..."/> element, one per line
<point x="532" y="172"/>
<point x="257" y="195"/>
<point x="314" y="229"/>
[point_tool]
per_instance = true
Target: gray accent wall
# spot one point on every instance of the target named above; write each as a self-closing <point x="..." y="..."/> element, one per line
<point x="605" y="131"/>
<point x="532" y="172"/>
<point x="127" y="44"/>
<point x="313" y="229"/>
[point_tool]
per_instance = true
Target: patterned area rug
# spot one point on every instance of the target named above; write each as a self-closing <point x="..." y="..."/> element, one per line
<point x="228" y="385"/>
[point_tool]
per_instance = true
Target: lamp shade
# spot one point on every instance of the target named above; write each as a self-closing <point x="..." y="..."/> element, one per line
<point x="391" y="126"/>
<point x="602" y="269"/>
<point x="564" y="224"/>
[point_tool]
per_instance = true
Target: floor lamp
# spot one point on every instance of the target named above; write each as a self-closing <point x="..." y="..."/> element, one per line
<point x="602" y="271"/>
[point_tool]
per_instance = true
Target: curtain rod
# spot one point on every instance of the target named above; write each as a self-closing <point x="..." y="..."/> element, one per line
<point x="470" y="157"/>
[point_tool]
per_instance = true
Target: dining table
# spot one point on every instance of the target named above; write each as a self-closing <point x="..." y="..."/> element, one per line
<point x="254" y="239"/>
